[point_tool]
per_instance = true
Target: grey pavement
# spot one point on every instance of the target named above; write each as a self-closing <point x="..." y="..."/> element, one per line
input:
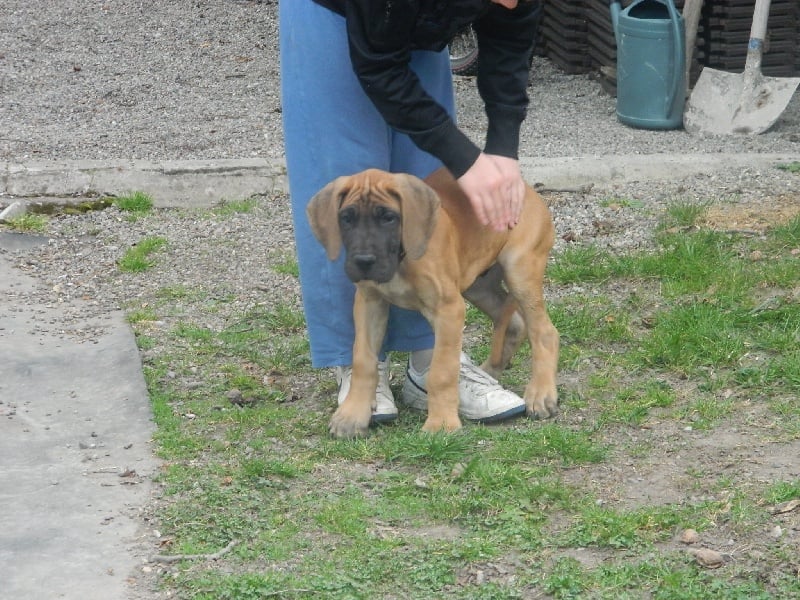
<point x="76" y="463"/>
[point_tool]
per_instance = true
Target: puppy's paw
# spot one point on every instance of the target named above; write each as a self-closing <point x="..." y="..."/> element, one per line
<point x="492" y="370"/>
<point x="349" y="423"/>
<point x="542" y="406"/>
<point x="446" y="424"/>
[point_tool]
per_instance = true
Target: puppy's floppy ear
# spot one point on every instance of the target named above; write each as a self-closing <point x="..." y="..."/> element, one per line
<point x="419" y="204"/>
<point x="323" y="216"/>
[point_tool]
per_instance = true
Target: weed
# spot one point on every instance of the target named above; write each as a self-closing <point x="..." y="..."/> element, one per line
<point x="235" y="207"/>
<point x="632" y="406"/>
<point x="136" y="204"/>
<point x="28" y="223"/>
<point x="287" y="266"/>
<point x="614" y="202"/>
<point x="581" y="264"/>
<point x="783" y="491"/>
<point x="603" y="527"/>
<point x="139" y="257"/>
<point x="684" y="214"/>
<point x="141" y="315"/>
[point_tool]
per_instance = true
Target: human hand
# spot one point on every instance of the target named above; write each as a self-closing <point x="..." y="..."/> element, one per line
<point x="495" y="189"/>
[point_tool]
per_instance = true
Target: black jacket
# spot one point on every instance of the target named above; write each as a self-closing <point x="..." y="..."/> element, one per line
<point x="382" y="33"/>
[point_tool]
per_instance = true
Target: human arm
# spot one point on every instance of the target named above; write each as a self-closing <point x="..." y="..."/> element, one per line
<point x="494" y="183"/>
<point x="381" y="36"/>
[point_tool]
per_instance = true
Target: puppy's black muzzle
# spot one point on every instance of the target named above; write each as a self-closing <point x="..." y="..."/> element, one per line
<point x="365" y="261"/>
<point x="372" y="242"/>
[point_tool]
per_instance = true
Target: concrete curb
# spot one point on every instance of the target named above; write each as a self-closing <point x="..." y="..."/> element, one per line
<point x="173" y="183"/>
<point x="569" y="173"/>
<point x="182" y="183"/>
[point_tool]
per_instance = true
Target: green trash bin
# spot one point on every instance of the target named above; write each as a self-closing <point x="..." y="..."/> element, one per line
<point x="651" y="58"/>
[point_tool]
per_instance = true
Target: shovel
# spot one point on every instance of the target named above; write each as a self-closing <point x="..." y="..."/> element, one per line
<point x="747" y="103"/>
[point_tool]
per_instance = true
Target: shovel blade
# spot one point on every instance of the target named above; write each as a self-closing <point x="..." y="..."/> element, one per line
<point x="726" y="103"/>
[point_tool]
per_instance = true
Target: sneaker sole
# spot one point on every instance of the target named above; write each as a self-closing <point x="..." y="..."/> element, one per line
<point x="382" y="419"/>
<point x="414" y="403"/>
<point x="517" y="411"/>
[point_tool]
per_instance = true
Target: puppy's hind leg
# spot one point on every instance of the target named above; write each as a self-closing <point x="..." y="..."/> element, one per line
<point x="488" y="294"/>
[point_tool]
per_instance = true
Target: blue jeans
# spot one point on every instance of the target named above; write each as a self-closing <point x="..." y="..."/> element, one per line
<point x="331" y="128"/>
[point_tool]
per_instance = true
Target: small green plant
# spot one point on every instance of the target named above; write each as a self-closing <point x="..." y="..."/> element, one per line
<point x="135" y="203"/>
<point x="684" y="214"/>
<point x="141" y="315"/>
<point x="607" y="528"/>
<point x="29" y="223"/>
<point x="287" y="266"/>
<point x="138" y="258"/>
<point x="783" y="491"/>
<point x="580" y="264"/>
<point x="234" y="207"/>
<point x="615" y="202"/>
<point x="792" y="167"/>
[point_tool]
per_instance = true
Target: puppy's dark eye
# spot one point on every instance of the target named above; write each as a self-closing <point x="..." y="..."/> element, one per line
<point x="347" y="218"/>
<point x="385" y="216"/>
<point x="389" y="218"/>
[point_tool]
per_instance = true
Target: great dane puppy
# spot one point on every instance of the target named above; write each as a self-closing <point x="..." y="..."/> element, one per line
<point x="419" y="245"/>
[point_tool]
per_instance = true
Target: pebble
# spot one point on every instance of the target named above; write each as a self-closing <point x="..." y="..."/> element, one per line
<point x="710" y="559"/>
<point x="690" y="536"/>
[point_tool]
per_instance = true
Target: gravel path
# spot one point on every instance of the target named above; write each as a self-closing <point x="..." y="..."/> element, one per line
<point x="200" y="79"/>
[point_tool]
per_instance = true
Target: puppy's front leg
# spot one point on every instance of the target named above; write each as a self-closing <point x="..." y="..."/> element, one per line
<point x="442" y="382"/>
<point x="370" y="314"/>
<point x="525" y="281"/>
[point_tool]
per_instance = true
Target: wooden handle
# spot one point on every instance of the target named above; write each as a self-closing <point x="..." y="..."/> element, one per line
<point x="691" y="21"/>
<point x="760" y="17"/>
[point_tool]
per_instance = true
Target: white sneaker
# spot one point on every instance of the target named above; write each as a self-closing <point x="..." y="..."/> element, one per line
<point x="385" y="410"/>
<point x="481" y="397"/>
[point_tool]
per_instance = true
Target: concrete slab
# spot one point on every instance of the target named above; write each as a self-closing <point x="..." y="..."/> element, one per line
<point x="176" y="183"/>
<point x="201" y="183"/>
<point x="75" y="455"/>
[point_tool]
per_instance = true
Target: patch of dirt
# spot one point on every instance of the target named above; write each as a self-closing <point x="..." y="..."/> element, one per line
<point x="746" y="217"/>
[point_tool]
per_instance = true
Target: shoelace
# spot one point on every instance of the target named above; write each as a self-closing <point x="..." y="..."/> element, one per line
<point x="383" y="377"/>
<point x="476" y="375"/>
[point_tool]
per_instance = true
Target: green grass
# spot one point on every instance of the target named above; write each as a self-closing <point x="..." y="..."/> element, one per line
<point x="287" y="266"/>
<point x="235" y="207"/>
<point x="135" y="204"/>
<point x="662" y="350"/>
<point x="614" y="202"/>
<point x="140" y="257"/>
<point x="28" y="223"/>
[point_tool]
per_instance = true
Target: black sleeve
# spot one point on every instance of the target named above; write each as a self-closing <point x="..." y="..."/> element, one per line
<point x="506" y="39"/>
<point x="379" y="32"/>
